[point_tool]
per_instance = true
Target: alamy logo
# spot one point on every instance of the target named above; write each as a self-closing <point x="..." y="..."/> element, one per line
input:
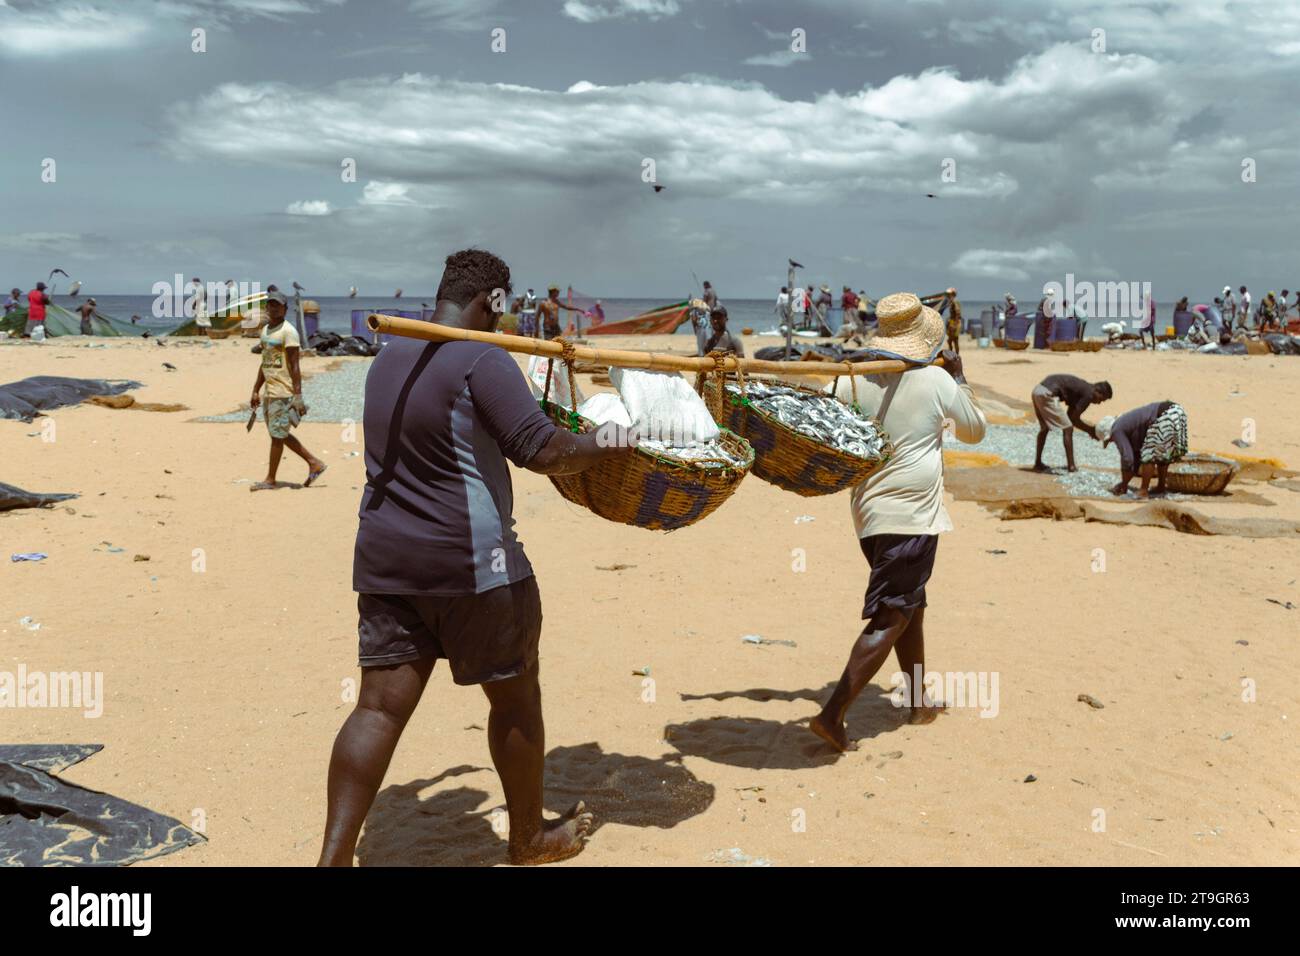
<point x="1098" y="300"/>
<point x="134" y="910"/>
<point x="76" y="690"/>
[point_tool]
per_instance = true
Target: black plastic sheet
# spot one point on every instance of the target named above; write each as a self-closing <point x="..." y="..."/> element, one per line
<point x="47" y="822"/>
<point x="29" y="397"/>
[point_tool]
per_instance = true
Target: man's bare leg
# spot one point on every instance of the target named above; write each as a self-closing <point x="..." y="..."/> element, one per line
<point x="517" y="741"/>
<point x="315" y="467"/>
<point x="363" y="749"/>
<point x="1042" y="442"/>
<point x="869" y="652"/>
<point x="1067" y="438"/>
<point x="911" y="661"/>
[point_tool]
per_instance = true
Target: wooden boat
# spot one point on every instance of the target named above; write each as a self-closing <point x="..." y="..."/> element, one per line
<point x="661" y="321"/>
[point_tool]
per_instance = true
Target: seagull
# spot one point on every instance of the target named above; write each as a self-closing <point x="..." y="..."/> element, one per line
<point x="659" y="188"/>
<point x="298" y="287"/>
<point x="397" y="294"/>
<point x="931" y="196"/>
<point x="76" y="287"/>
<point x="795" y="265"/>
<point x="352" y="293"/>
<point x="169" y="366"/>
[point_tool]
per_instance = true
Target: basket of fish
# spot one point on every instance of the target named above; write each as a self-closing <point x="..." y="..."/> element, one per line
<point x="1200" y="474"/>
<point x="804" y="441"/>
<point x="684" y="466"/>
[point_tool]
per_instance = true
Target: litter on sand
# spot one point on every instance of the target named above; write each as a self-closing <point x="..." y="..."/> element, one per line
<point x="29" y="556"/>
<point x="29" y="623"/>
<point x="757" y="639"/>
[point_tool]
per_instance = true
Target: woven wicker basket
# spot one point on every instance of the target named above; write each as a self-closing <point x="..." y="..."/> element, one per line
<point x="1199" y="474"/>
<point x="786" y="458"/>
<point x="645" y="489"/>
<point x="1014" y="344"/>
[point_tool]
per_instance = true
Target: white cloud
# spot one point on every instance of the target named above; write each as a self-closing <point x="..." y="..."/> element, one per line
<point x="309" y="207"/>
<point x="591" y="12"/>
<point x="779" y="58"/>
<point x="387" y="194"/>
<point x="459" y="14"/>
<point x="1016" y="266"/>
<point x="62" y="28"/>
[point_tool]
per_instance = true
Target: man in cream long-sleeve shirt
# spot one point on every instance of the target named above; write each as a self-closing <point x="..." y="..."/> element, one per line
<point x="899" y="514"/>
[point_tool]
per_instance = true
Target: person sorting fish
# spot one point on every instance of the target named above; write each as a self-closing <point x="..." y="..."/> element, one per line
<point x="1149" y="439"/>
<point x="1059" y="401"/>
<point x="898" y="510"/>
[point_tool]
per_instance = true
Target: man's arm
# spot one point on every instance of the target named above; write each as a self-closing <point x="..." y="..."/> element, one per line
<point x="257" y="388"/>
<point x="291" y="355"/>
<point x="567" y="454"/>
<point x="1075" y="414"/>
<point x="968" y="420"/>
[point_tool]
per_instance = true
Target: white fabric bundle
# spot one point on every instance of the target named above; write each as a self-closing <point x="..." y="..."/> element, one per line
<point x="605" y="407"/>
<point x="559" y="393"/>
<point x="663" y="406"/>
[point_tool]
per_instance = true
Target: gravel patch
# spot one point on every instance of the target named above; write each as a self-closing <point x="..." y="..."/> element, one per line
<point x="335" y="396"/>
<point x="1098" y="467"/>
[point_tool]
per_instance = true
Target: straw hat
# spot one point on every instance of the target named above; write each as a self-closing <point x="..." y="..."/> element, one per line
<point x="907" y="328"/>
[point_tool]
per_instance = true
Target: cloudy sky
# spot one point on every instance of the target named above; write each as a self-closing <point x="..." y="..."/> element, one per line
<point x="1122" y="163"/>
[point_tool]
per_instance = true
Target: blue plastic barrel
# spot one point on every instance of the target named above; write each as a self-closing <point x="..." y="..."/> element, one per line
<point x="359" y="322"/>
<point x="1065" y="330"/>
<point x="1017" y="327"/>
<point x="381" y="339"/>
<point x="311" y="323"/>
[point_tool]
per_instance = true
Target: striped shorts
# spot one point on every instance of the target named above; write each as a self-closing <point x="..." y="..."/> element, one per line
<point x="1166" y="439"/>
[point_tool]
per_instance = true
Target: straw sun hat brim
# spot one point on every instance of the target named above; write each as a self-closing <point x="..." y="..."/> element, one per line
<point x="917" y="338"/>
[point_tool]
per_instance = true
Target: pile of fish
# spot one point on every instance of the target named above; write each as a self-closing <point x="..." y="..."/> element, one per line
<point x="821" y="417"/>
<point x="703" y="454"/>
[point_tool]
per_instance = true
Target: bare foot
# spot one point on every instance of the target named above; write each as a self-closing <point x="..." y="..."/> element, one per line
<point x="558" y="840"/>
<point x="1144" y="495"/>
<point x="835" y="735"/>
<point x="927" y="714"/>
<point x="1041" y="467"/>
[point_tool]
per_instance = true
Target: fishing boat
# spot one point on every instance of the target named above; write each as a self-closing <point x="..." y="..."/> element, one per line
<point x="661" y="321"/>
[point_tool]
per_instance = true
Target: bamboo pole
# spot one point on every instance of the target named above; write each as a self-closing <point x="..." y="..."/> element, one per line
<point x="659" y="361"/>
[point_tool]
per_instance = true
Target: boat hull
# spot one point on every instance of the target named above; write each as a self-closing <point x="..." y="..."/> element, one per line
<point x="661" y="321"/>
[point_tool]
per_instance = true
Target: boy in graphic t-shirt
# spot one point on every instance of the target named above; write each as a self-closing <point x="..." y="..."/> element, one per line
<point x="280" y="374"/>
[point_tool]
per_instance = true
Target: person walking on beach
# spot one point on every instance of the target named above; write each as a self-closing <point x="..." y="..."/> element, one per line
<point x="1148" y="322"/>
<point x="528" y="316"/>
<point x="952" y="307"/>
<point x="898" y="510"/>
<point x="1229" y="306"/>
<point x="199" y="296"/>
<point x="719" y="339"/>
<point x="1149" y="439"/>
<point x="1243" y="309"/>
<point x="548" y="310"/>
<point x="438" y="569"/>
<point x="15" y="300"/>
<point x="280" y="374"/>
<point x="1059" y="401"/>
<point x="87" y="312"/>
<point x="37" y="300"/>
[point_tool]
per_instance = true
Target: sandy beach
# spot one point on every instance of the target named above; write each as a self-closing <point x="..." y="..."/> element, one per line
<point x="227" y="654"/>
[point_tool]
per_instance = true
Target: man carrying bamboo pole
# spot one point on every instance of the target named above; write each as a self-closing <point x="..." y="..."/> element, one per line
<point x="438" y="569"/>
<point x="898" y="510"/>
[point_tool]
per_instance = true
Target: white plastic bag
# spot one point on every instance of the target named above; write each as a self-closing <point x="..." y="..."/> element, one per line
<point x="663" y="406"/>
<point x="605" y="407"/>
<point x="559" y="393"/>
<point x="38" y="333"/>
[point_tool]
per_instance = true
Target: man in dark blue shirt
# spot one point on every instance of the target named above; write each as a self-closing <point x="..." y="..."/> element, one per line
<point x="438" y="569"/>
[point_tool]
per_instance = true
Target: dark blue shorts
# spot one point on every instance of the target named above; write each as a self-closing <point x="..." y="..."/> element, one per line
<point x="901" y="564"/>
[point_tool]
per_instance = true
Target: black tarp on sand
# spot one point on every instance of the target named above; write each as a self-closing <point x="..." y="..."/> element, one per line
<point x="41" y="393"/>
<point x="47" y="822"/>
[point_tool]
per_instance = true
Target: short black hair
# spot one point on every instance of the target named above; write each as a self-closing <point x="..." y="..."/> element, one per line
<point x="471" y="271"/>
<point x="1105" y="389"/>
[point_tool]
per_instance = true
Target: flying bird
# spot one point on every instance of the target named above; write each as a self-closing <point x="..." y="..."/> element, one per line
<point x="397" y="294"/>
<point x="352" y="293"/>
<point x="659" y="188"/>
<point x="931" y="196"/>
<point x="76" y="287"/>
